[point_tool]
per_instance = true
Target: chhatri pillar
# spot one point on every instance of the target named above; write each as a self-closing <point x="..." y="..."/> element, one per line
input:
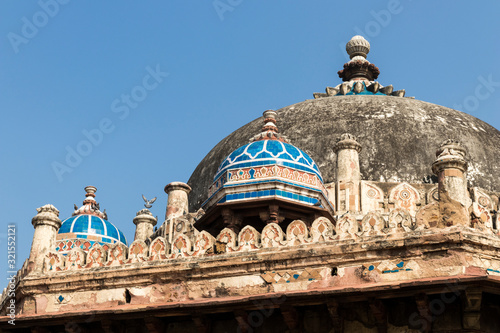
<point x="348" y="173"/>
<point x="177" y="205"/>
<point x="46" y="224"/>
<point x="144" y="222"/>
<point x="177" y="202"/>
<point x="451" y="168"/>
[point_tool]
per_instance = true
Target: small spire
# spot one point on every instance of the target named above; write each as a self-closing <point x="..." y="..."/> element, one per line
<point x="90" y="195"/>
<point x="270" y="129"/>
<point x="90" y="206"/>
<point x="358" y="68"/>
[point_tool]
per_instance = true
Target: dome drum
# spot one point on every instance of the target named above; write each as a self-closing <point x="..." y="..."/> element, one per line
<point x="275" y="187"/>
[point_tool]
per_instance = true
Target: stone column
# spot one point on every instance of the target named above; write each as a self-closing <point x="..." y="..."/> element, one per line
<point x="348" y="174"/>
<point x="144" y="222"/>
<point x="177" y="203"/>
<point x="46" y="224"/>
<point x="451" y="168"/>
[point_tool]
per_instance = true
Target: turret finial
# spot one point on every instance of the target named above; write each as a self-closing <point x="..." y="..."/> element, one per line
<point x="270" y="129"/>
<point x="90" y="206"/>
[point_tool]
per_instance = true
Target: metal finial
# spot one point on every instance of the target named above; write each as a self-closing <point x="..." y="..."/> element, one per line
<point x="148" y="203"/>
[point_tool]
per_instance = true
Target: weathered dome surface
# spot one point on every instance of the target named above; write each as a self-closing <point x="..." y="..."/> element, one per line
<point x="266" y="152"/>
<point x="399" y="138"/>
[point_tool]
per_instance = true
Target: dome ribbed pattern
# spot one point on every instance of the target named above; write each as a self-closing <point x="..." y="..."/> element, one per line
<point x="267" y="152"/>
<point x="82" y="226"/>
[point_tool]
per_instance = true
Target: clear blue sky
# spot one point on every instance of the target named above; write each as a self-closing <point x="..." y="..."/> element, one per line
<point x="65" y="73"/>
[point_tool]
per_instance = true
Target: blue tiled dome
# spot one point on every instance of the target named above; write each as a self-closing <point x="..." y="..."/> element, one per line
<point x="266" y="152"/>
<point x="83" y="226"/>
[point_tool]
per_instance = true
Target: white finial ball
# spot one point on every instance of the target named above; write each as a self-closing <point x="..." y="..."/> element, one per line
<point x="357" y="46"/>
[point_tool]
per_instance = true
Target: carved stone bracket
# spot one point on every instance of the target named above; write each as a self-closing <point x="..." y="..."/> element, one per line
<point x="242" y="319"/>
<point x="379" y="311"/>
<point x="202" y="323"/>
<point x="333" y="310"/>
<point x="291" y="318"/>
<point x="423" y="309"/>
<point x="472" y="309"/>
<point x="154" y="325"/>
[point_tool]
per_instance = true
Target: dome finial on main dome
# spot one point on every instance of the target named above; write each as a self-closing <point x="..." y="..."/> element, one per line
<point x="358" y="47"/>
<point x="358" y="68"/>
<point x="270" y="129"/>
<point x="359" y="74"/>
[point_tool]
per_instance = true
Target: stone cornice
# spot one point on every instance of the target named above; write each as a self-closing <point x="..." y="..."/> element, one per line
<point x="304" y="297"/>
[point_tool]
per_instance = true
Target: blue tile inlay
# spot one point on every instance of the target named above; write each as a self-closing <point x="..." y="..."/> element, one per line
<point x="267" y="193"/>
<point x="281" y="193"/>
<point x="363" y="92"/>
<point x="81" y="225"/>
<point x="91" y="225"/>
<point x="97" y="225"/>
<point x="122" y="238"/>
<point x="66" y="225"/>
<point x="265" y="152"/>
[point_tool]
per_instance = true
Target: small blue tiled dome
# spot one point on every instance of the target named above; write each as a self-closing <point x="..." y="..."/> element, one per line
<point x="268" y="152"/>
<point x="83" y="226"/>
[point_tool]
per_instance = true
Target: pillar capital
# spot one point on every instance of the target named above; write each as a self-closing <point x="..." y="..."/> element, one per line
<point x="145" y="216"/>
<point x="450" y="155"/>
<point x="347" y="141"/>
<point x="174" y="186"/>
<point x="47" y="215"/>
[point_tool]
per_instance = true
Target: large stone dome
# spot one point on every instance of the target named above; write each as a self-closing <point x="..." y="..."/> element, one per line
<point x="399" y="137"/>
